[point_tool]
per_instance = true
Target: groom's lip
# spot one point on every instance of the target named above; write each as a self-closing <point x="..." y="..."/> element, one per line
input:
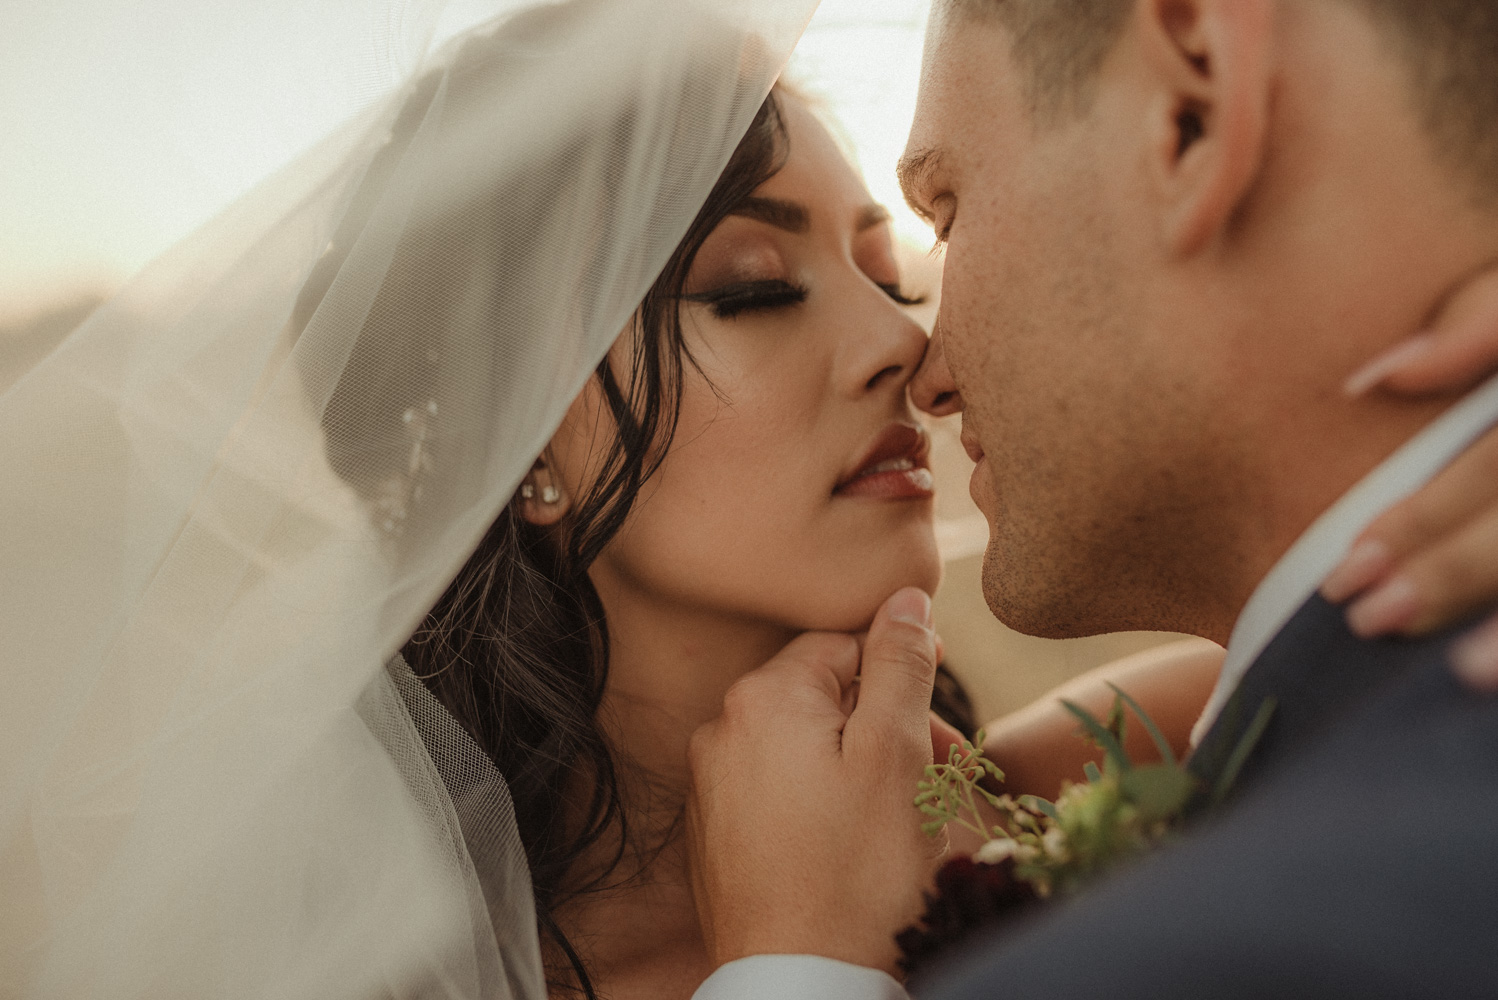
<point x="970" y="444"/>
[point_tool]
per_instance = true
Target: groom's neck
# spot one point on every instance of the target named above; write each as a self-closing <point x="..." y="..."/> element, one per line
<point x="1356" y="233"/>
<point x="1318" y="316"/>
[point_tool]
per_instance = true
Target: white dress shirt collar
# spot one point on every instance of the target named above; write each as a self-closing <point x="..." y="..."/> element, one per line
<point x="1316" y="553"/>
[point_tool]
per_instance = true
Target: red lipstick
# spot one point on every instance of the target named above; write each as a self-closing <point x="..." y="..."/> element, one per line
<point x="892" y="468"/>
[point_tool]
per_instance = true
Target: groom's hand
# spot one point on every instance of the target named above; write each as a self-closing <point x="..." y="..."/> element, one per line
<point x="803" y="834"/>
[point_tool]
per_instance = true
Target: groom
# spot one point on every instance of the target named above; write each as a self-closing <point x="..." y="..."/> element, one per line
<point x="1174" y="228"/>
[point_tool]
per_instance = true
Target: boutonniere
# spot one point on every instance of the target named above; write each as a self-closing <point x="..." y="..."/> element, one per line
<point x="1034" y="849"/>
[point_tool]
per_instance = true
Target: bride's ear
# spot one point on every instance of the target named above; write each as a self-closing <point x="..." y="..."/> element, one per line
<point x="543" y="499"/>
<point x="1209" y="62"/>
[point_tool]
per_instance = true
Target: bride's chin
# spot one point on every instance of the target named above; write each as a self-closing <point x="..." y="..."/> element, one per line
<point x="858" y="613"/>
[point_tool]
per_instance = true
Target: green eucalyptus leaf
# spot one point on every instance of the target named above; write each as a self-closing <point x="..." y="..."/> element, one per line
<point x="1246" y="744"/>
<point x="1100" y="733"/>
<point x="1116" y="720"/>
<point x="1161" y="743"/>
<point x="1040" y="805"/>
<point x="1093" y="774"/>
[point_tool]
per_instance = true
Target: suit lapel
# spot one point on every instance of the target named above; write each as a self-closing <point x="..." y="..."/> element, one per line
<point x="1312" y="672"/>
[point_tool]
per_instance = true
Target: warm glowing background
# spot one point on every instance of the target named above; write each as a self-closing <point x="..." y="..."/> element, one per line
<point x="127" y="126"/>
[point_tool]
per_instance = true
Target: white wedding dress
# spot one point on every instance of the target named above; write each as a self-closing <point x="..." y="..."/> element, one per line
<point x="211" y="786"/>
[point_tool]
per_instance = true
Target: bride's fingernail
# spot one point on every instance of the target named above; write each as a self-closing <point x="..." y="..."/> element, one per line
<point x="1390" y="607"/>
<point x="1381" y="367"/>
<point x="1365" y="563"/>
<point x="1474" y="658"/>
<point x="911" y="605"/>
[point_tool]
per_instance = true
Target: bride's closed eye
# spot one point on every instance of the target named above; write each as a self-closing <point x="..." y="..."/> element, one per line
<point x="728" y="301"/>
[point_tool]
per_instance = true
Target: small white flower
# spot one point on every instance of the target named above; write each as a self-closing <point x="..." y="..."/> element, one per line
<point x="1054" y="843"/>
<point x="996" y="851"/>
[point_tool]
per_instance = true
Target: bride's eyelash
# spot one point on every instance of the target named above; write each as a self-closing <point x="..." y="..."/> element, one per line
<point x="728" y="301"/>
<point x="894" y="292"/>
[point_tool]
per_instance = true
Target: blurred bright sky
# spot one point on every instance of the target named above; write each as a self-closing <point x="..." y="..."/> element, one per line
<point x="125" y="126"/>
<point x="864" y="58"/>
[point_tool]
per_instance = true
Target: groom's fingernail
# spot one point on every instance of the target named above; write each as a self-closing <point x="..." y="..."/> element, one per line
<point x="1374" y="372"/>
<point x="1474" y="658"/>
<point x="1390" y="607"/>
<point x="911" y="605"/>
<point x="1366" y="562"/>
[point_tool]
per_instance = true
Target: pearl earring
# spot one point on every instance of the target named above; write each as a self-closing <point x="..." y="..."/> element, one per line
<point x="550" y="494"/>
<point x="527" y="491"/>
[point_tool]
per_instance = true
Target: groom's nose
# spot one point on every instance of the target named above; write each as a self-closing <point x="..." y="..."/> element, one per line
<point x="932" y="389"/>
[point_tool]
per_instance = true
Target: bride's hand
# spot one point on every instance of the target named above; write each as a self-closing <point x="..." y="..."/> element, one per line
<point x="1432" y="560"/>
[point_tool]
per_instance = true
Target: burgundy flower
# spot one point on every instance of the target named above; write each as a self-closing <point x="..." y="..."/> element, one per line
<point x="970" y="896"/>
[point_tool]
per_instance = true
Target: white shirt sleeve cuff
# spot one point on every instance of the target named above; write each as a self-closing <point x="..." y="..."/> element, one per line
<point x="798" y="977"/>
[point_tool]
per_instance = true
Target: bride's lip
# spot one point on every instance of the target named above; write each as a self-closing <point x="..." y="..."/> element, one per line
<point x="893" y="467"/>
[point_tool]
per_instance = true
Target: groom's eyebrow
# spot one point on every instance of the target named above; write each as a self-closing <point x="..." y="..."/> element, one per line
<point x="786" y="215"/>
<point x="913" y="170"/>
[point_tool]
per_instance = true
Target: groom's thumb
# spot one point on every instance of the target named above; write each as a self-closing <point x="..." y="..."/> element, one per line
<point x="899" y="667"/>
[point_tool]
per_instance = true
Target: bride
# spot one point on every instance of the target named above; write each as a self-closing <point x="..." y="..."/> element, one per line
<point x="365" y="412"/>
<point x="743" y="467"/>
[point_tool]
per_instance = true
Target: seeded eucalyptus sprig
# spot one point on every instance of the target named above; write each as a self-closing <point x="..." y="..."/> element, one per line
<point x="949" y="789"/>
<point x="1034" y="848"/>
<point x="1120" y="809"/>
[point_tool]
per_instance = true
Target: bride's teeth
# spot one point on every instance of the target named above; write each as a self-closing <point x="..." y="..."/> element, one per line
<point x="893" y="465"/>
<point x="923" y="479"/>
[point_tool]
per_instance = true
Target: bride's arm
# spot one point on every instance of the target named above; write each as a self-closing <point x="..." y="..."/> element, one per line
<point x="1038" y="746"/>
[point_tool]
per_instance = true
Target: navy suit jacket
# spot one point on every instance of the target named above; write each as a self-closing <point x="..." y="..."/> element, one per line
<point x="1357" y="857"/>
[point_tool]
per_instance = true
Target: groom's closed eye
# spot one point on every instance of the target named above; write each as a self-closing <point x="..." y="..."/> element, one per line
<point x="895" y="292"/>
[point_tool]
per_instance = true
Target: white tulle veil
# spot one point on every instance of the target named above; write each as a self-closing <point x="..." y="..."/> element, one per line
<point x="212" y="787"/>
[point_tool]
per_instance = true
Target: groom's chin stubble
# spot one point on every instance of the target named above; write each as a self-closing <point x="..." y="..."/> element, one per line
<point x="1024" y="596"/>
<point x="1033" y="592"/>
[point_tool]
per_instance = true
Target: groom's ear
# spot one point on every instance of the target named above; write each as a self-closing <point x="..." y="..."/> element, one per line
<point x="1208" y="65"/>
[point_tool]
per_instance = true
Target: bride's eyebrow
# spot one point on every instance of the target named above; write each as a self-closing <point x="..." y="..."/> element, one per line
<point x="787" y="215"/>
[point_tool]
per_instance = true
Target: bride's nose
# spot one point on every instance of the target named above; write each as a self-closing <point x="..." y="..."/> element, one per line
<point x="889" y="354"/>
<point x="933" y="389"/>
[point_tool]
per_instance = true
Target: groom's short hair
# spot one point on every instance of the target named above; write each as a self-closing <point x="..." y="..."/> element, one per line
<point x="1450" y="48"/>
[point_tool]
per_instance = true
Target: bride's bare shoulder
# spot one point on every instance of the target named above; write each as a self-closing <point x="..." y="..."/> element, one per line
<point x="1038" y="747"/>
